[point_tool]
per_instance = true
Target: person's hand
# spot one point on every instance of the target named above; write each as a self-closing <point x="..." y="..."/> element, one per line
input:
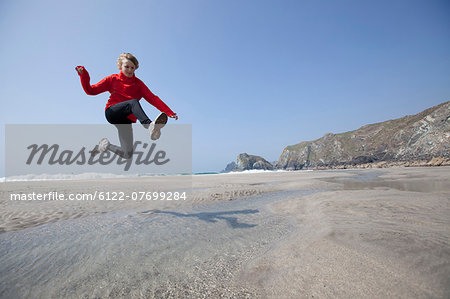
<point x="174" y="116"/>
<point x="80" y="69"/>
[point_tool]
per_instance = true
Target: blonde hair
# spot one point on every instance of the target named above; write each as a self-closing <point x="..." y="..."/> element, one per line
<point x="129" y="57"/>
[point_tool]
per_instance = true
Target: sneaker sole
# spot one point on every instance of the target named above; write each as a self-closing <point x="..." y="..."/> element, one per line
<point x="159" y="123"/>
<point x="102" y="148"/>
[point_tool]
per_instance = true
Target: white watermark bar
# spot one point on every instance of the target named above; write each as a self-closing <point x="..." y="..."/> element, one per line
<point x="100" y="196"/>
<point x="61" y="149"/>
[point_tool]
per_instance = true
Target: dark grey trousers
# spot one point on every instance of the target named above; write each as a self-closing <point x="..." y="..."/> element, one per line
<point x="118" y="116"/>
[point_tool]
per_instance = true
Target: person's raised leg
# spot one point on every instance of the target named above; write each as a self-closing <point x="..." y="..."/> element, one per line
<point x="126" y="108"/>
<point x="133" y="106"/>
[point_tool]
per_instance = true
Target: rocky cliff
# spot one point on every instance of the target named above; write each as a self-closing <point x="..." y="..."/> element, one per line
<point x="248" y="162"/>
<point x="418" y="137"/>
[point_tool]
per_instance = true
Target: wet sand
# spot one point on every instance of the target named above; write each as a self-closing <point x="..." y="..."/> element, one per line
<point x="325" y="234"/>
<point x="200" y="189"/>
<point x="382" y="238"/>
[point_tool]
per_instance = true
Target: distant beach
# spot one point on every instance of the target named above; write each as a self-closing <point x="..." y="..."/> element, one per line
<point x="263" y="234"/>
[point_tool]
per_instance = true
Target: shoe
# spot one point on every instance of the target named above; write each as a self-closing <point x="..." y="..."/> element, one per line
<point x="156" y="126"/>
<point x="103" y="145"/>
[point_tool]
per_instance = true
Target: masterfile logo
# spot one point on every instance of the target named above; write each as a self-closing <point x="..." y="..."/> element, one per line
<point x="70" y="149"/>
<point x="51" y="155"/>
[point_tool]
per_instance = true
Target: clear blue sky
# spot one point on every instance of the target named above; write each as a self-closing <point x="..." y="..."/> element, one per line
<point x="249" y="75"/>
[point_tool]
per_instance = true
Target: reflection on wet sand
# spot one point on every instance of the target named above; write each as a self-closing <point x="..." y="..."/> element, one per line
<point x="413" y="185"/>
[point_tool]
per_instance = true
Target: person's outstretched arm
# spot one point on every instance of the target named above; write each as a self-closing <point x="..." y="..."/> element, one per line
<point x="95" y="89"/>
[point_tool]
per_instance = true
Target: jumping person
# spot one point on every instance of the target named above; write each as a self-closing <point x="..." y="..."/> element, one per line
<point x="123" y="107"/>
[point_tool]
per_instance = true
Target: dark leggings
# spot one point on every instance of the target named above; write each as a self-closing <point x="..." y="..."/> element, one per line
<point x="118" y="116"/>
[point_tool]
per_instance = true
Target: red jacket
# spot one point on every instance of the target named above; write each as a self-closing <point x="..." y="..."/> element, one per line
<point x="123" y="89"/>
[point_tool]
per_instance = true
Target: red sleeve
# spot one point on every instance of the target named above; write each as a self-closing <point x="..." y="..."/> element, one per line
<point x="102" y="86"/>
<point x="155" y="101"/>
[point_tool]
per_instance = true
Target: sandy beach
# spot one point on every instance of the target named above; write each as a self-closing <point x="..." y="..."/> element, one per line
<point x="381" y="233"/>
